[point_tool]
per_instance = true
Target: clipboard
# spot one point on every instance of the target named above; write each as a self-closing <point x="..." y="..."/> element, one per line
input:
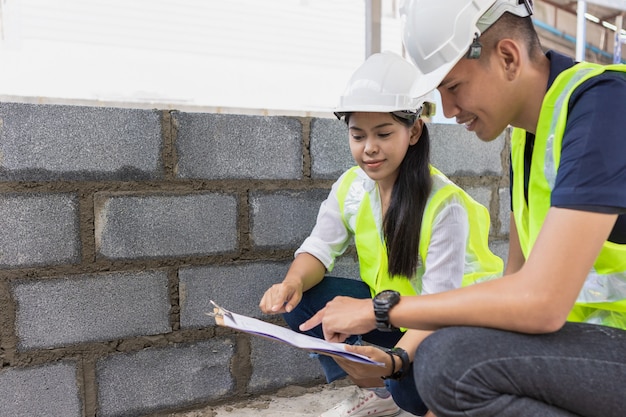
<point x="261" y="328"/>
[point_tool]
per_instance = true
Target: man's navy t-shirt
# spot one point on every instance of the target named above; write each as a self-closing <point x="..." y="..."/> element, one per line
<point x="592" y="171"/>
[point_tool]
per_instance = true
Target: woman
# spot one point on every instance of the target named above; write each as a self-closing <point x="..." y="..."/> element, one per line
<point x="415" y="232"/>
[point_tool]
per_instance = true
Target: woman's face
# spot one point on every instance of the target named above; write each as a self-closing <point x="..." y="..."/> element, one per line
<point x="379" y="142"/>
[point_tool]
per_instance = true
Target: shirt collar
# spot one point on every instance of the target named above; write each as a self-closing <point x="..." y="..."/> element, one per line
<point x="558" y="64"/>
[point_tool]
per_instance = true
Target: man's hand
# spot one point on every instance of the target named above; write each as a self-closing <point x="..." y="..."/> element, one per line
<point x="343" y="317"/>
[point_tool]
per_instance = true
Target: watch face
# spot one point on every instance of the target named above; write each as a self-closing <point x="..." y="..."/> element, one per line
<point x="387" y="296"/>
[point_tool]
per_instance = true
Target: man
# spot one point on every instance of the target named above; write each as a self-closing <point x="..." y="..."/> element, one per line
<point x="548" y="338"/>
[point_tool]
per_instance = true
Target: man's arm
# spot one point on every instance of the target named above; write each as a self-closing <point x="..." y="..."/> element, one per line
<point x="535" y="299"/>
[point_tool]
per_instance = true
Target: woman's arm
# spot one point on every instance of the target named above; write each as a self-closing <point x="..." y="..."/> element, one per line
<point x="305" y="272"/>
<point x="411" y="340"/>
<point x="535" y="299"/>
<point x="328" y="239"/>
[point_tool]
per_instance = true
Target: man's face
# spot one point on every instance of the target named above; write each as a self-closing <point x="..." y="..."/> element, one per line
<point x="475" y="93"/>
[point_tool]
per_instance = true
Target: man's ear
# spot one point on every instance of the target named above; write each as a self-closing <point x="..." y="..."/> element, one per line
<point x="509" y="57"/>
<point x="416" y="131"/>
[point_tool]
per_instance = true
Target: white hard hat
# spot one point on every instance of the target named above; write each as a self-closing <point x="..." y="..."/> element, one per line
<point x="384" y="83"/>
<point x="437" y="34"/>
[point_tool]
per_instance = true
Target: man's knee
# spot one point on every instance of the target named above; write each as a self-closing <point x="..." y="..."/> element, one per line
<point x="443" y="357"/>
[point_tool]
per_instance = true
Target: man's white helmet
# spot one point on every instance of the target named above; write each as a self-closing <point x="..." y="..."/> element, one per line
<point x="384" y="83"/>
<point x="438" y="33"/>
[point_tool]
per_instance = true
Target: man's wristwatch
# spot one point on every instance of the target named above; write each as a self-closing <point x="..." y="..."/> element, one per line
<point x="383" y="301"/>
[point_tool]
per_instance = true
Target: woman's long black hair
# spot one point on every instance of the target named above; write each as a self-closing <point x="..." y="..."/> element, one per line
<point x="403" y="221"/>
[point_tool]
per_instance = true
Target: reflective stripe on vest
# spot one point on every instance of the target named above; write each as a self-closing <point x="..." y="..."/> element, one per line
<point x="602" y="299"/>
<point x="359" y="200"/>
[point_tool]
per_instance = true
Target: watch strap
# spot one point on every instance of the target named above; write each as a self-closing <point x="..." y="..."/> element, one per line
<point x="404" y="359"/>
<point x="381" y="310"/>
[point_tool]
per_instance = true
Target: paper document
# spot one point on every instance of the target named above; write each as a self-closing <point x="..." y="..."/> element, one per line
<point x="253" y="326"/>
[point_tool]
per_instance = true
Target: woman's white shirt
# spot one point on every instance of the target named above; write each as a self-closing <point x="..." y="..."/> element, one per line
<point x="445" y="259"/>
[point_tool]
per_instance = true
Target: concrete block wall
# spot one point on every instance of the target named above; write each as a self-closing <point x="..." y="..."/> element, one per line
<point x="120" y="225"/>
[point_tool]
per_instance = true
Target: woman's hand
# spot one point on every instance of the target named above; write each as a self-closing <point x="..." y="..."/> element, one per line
<point x="343" y="317"/>
<point x="359" y="370"/>
<point x="305" y="272"/>
<point x="281" y="298"/>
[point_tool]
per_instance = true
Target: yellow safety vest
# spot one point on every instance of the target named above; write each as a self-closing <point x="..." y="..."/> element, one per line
<point x="602" y="299"/>
<point x="356" y="193"/>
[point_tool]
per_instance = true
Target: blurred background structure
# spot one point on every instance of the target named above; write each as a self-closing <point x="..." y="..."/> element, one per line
<point x="273" y="56"/>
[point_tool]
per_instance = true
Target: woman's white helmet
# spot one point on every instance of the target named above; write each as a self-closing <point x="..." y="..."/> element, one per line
<point x="384" y="83"/>
<point x="437" y="33"/>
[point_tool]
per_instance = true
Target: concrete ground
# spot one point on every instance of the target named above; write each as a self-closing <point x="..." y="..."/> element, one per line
<point x="291" y="401"/>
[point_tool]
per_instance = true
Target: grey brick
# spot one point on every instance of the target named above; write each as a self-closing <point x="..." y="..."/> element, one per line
<point x="38" y="229"/>
<point x="481" y="194"/>
<point x="346" y="267"/>
<point x="330" y="149"/>
<point x="44" y="142"/>
<point x="156" y="379"/>
<point x="160" y="226"/>
<point x="505" y="210"/>
<point x="61" y="311"/>
<point x="50" y="390"/>
<point x="276" y="364"/>
<point x="500" y="248"/>
<point x="455" y="151"/>
<point x="283" y="219"/>
<point x="220" y="146"/>
<point x="238" y="288"/>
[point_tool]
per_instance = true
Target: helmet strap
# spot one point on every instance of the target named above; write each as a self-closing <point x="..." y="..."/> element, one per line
<point x="475" y="48"/>
<point x="410" y="115"/>
<point x="528" y="4"/>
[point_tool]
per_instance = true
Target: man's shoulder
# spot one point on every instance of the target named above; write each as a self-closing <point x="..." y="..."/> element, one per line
<point x="560" y="63"/>
<point x="604" y="92"/>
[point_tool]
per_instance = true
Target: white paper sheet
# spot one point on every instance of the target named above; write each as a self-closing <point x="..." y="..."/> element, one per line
<point x="257" y="327"/>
